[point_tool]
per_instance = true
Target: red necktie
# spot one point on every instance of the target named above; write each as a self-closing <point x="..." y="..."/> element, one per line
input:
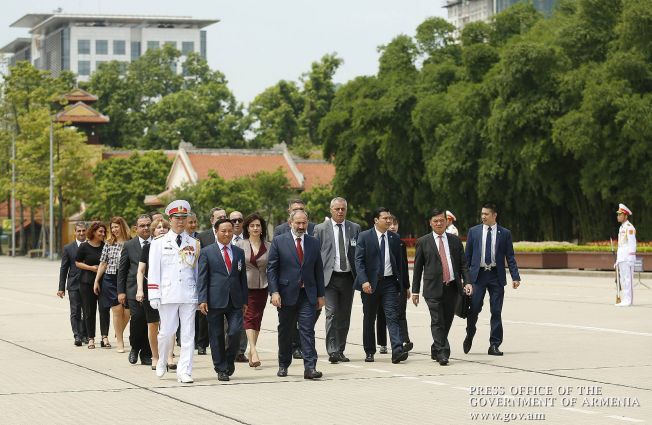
<point x="444" y="260"/>
<point x="299" y="251"/>
<point x="227" y="259"/>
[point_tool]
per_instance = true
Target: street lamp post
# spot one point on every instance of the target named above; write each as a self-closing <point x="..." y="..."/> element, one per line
<point x="51" y="242"/>
<point x="13" y="194"/>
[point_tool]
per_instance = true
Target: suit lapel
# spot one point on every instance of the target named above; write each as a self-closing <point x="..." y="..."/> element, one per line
<point x="220" y="259"/>
<point x="293" y="249"/>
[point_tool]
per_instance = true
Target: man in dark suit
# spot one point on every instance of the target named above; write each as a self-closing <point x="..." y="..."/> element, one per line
<point x="223" y="294"/>
<point x="294" y="205"/>
<point x="69" y="277"/>
<point x="488" y="246"/>
<point x="127" y="288"/>
<point x="337" y="237"/>
<point x="206" y="238"/>
<point x="295" y="276"/>
<point x="378" y="277"/>
<point x="440" y="258"/>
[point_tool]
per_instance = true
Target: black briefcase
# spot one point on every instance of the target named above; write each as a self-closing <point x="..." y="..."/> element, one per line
<point x="463" y="306"/>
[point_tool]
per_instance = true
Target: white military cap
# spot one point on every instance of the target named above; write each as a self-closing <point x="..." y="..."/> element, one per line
<point x="451" y="215"/>
<point x="178" y="208"/>
<point x="622" y="208"/>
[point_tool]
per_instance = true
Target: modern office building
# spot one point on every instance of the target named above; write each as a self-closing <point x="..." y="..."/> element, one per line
<point x="462" y="12"/>
<point x="82" y="42"/>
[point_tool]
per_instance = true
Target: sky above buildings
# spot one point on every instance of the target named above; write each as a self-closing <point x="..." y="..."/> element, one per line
<point x="257" y="43"/>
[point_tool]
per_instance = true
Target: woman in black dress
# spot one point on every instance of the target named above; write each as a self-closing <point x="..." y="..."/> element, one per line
<point x="106" y="280"/>
<point x="88" y="260"/>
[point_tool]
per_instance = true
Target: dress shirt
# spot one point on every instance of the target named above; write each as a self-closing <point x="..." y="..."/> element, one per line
<point x="494" y="231"/>
<point x="451" y="273"/>
<point x="237" y="238"/>
<point x="336" y="233"/>
<point x="294" y="241"/>
<point x="142" y="241"/>
<point x="388" y="261"/>
<point x="228" y="248"/>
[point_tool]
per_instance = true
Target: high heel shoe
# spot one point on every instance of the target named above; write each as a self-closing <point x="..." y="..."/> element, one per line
<point x="105" y="344"/>
<point x="253" y="363"/>
<point x="91" y="344"/>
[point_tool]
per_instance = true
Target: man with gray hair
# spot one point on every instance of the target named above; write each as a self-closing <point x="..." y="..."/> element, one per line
<point x="338" y="236"/>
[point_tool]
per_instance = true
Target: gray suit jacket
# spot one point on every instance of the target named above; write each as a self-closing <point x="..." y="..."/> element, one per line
<point x="428" y="262"/>
<point x="324" y="232"/>
<point x="128" y="268"/>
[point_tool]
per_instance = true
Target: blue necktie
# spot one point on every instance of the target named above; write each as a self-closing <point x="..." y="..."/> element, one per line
<point x="382" y="255"/>
<point x="487" y="248"/>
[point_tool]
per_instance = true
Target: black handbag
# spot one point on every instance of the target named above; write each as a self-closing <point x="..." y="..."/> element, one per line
<point x="463" y="306"/>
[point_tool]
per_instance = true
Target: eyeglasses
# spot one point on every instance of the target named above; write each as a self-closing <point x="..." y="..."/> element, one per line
<point x="236" y="220"/>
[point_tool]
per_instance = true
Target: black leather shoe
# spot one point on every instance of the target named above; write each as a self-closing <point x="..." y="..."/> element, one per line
<point x="408" y="346"/>
<point x="468" y="341"/>
<point x="383" y="349"/>
<point x="443" y="360"/>
<point x="78" y="342"/>
<point x="297" y="354"/>
<point x="241" y="358"/>
<point x="172" y="366"/>
<point x="201" y="351"/>
<point x="494" y="351"/>
<point x="223" y="376"/>
<point x="230" y="369"/>
<point x="282" y="372"/>
<point x="133" y="356"/>
<point x="311" y="374"/>
<point x="399" y="356"/>
<point x="147" y="361"/>
<point x="369" y="358"/>
<point x="343" y="358"/>
<point x="334" y="358"/>
<point x="85" y="340"/>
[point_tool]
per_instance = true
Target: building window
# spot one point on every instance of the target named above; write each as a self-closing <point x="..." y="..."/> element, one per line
<point x="84" y="47"/>
<point x="152" y="45"/>
<point x="187" y="47"/>
<point x="119" y="47"/>
<point x="84" y="67"/>
<point x="135" y="50"/>
<point x="101" y="47"/>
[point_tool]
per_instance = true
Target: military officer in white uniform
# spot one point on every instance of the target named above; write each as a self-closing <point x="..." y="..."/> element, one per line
<point x="172" y="285"/>
<point x="450" y="218"/>
<point x="626" y="255"/>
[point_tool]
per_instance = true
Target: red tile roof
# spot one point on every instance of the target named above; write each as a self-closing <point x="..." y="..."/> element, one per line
<point x="316" y="173"/>
<point x="230" y="165"/>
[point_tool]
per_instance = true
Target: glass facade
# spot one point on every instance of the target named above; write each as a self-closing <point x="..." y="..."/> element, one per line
<point x="84" y="67"/>
<point x="544" y="6"/>
<point x="119" y="47"/>
<point x="187" y="47"/>
<point x="135" y="50"/>
<point x="152" y="45"/>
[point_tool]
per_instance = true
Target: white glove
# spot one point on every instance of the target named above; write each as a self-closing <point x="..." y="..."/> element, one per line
<point x="155" y="303"/>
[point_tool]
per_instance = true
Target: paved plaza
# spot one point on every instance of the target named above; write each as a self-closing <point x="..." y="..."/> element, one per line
<point x="571" y="357"/>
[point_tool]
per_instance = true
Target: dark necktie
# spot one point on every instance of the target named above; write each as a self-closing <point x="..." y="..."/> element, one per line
<point x="299" y="251"/>
<point x="179" y="240"/>
<point x="145" y="243"/>
<point x="237" y="238"/>
<point x="446" y="275"/>
<point x="487" y="248"/>
<point x="227" y="259"/>
<point x="340" y="244"/>
<point x="382" y="255"/>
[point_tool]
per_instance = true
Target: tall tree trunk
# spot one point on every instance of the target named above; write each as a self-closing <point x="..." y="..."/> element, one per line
<point x="22" y="239"/>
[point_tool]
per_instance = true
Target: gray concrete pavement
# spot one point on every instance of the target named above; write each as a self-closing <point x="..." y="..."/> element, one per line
<point x="563" y="336"/>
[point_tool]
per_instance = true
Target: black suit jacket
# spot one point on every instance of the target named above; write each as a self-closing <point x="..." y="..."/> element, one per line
<point x="69" y="274"/>
<point x="367" y="258"/>
<point x="405" y="272"/>
<point x="128" y="268"/>
<point x="216" y="285"/>
<point x="428" y="262"/>
<point x="207" y="237"/>
<point x="285" y="228"/>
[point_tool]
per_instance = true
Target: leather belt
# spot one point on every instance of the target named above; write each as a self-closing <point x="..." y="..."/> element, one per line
<point x="488" y="268"/>
<point x="342" y="273"/>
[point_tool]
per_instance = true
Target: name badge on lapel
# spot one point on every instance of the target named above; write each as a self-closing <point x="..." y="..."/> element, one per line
<point x="239" y="265"/>
<point x="353" y="242"/>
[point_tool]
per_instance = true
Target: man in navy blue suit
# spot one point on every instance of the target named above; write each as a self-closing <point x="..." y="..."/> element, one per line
<point x="488" y="246"/>
<point x="378" y="273"/>
<point x="222" y="293"/>
<point x="295" y="278"/>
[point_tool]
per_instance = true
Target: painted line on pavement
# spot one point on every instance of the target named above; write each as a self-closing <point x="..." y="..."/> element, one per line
<point x="353" y="366"/>
<point x="434" y="382"/>
<point x="378" y="370"/>
<point x="579" y="327"/>
<point x="462" y="388"/>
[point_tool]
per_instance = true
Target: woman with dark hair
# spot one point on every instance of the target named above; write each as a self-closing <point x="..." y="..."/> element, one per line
<point x="107" y="274"/>
<point x="256" y="249"/>
<point x="159" y="227"/>
<point x="88" y="260"/>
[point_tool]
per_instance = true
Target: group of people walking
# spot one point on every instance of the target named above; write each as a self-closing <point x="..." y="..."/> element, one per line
<point x="211" y="288"/>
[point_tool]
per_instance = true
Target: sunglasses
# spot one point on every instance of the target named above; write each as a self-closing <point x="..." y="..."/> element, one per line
<point x="236" y="220"/>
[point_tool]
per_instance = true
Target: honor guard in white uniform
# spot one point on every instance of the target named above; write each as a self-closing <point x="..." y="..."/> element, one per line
<point x="450" y="218"/>
<point x="626" y="256"/>
<point x="172" y="285"/>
